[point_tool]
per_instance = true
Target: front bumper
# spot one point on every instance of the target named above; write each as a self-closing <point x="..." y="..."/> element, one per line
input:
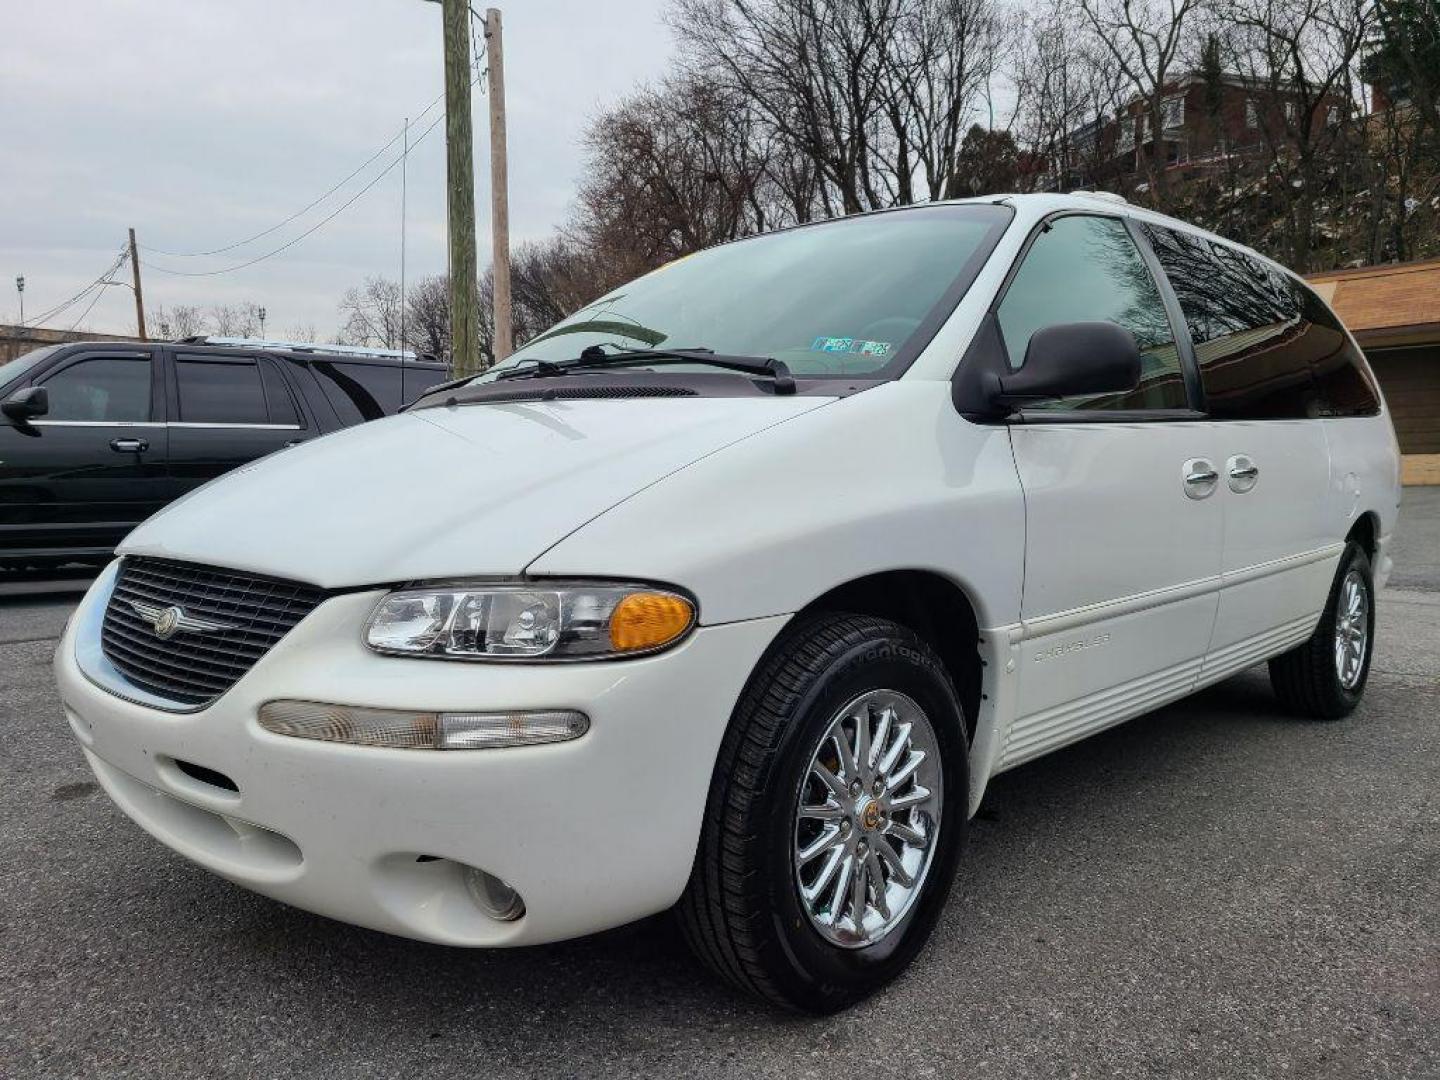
<point x="593" y="833"/>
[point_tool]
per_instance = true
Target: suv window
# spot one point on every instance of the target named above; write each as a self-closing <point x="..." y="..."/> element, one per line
<point x="101" y="389"/>
<point x="1268" y="347"/>
<point x="216" y="390"/>
<point x="1086" y="269"/>
<point x="278" y="396"/>
<point x="359" y="392"/>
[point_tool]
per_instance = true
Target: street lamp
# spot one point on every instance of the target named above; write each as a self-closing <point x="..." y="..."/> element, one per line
<point x="20" y="288"/>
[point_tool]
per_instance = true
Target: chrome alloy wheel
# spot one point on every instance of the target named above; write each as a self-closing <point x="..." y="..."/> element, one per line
<point x="1352" y="630"/>
<point x="868" y="817"/>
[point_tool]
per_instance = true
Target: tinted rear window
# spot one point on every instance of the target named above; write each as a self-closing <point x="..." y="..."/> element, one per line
<point x="216" y="391"/>
<point x="359" y="392"/>
<point x="1268" y="347"/>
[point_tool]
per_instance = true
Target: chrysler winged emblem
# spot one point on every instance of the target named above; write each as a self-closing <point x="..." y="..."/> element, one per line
<point x="166" y="622"/>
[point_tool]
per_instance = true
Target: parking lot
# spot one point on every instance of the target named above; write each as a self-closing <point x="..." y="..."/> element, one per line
<point x="1215" y="889"/>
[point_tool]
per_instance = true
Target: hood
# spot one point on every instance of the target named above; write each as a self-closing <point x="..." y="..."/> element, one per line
<point x="470" y="490"/>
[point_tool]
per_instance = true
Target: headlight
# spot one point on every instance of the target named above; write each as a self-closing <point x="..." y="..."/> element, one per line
<point x="529" y="621"/>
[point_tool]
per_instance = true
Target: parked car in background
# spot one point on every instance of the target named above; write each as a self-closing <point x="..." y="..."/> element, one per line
<point x="97" y="436"/>
<point x="748" y="631"/>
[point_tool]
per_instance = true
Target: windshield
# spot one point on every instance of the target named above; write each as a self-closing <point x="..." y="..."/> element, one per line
<point x="854" y="297"/>
<point x="13" y="369"/>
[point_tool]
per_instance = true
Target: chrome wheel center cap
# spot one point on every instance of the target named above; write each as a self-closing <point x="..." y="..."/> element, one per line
<point x="869" y="814"/>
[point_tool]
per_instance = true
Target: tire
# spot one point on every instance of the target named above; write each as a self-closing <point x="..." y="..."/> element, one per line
<point x="1308" y="679"/>
<point x="742" y="912"/>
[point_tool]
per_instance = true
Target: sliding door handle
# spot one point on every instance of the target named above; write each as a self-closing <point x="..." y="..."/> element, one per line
<point x="129" y="446"/>
<point x="1200" y="478"/>
<point x="1242" y="473"/>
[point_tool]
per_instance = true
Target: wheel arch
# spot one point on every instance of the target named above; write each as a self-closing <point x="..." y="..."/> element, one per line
<point x="932" y="605"/>
<point x="1366" y="533"/>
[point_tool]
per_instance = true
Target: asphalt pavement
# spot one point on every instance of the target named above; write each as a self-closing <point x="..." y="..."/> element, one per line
<point x="1213" y="890"/>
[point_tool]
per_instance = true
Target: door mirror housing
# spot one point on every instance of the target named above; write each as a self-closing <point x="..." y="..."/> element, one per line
<point x="26" y="404"/>
<point x="1070" y="359"/>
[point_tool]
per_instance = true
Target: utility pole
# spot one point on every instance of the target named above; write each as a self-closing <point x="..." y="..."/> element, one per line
<point x="404" y="165"/>
<point x="460" y="175"/>
<point x="139" y="298"/>
<point x="499" y="185"/>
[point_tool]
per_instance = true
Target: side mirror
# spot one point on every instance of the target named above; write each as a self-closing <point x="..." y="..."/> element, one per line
<point x="1069" y="359"/>
<point x="26" y="404"/>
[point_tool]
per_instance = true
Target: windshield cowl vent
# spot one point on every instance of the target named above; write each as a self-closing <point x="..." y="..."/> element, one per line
<point x="570" y="393"/>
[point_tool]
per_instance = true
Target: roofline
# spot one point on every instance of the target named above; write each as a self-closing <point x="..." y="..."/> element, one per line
<point x="1378" y="270"/>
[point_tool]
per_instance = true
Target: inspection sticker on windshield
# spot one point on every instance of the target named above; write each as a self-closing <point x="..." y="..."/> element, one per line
<point x="850" y="345"/>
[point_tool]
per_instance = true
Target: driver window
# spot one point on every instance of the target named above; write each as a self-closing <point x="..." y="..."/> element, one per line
<point x="101" y="389"/>
<point x="1087" y="269"/>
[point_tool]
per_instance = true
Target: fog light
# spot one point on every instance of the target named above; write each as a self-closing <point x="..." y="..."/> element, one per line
<point x="401" y="730"/>
<point x="494" y="897"/>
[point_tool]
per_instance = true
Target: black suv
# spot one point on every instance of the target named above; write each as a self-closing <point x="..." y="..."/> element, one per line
<point x="97" y="436"/>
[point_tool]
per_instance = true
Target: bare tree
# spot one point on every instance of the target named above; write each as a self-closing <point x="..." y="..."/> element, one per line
<point x="1145" y="38"/>
<point x="672" y="170"/>
<point x="1068" y="90"/>
<point x="936" y="73"/>
<point x="234" y="320"/>
<point x="873" y="96"/>
<point x="177" y="321"/>
<point x="427" y="323"/>
<point x="814" y="69"/>
<point x="371" y="314"/>
<point x="1298" y="58"/>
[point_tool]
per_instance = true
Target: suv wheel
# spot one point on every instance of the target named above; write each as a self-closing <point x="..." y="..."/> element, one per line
<point x="1324" y="677"/>
<point x="836" y="814"/>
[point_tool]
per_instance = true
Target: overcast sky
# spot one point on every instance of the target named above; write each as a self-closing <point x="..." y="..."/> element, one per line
<point x="201" y="122"/>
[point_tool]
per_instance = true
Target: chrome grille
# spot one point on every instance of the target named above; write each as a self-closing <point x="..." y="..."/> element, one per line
<point x="193" y="668"/>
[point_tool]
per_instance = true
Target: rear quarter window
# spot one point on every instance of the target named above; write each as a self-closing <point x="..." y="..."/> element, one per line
<point x="359" y="392"/>
<point x="1267" y="346"/>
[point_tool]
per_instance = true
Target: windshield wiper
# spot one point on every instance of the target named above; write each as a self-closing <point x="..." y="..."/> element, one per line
<point x="595" y="357"/>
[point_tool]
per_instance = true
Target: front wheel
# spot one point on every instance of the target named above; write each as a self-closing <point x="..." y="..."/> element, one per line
<point x="1324" y="677"/>
<point x="835" y="817"/>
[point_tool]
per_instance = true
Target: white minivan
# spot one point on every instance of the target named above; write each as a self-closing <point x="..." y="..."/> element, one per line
<point x="734" y="589"/>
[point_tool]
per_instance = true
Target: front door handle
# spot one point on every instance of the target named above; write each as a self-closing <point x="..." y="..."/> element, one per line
<point x="1243" y="473"/>
<point x="129" y="446"/>
<point x="1200" y="478"/>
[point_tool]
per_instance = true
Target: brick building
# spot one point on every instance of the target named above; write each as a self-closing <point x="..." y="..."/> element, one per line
<point x="1201" y="130"/>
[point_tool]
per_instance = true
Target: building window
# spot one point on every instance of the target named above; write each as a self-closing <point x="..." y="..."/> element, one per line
<point x="1332" y="115"/>
<point x="1290" y="112"/>
<point x="1252" y="115"/>
<point x="1174" y="112"/>
<point x="1125" y="141"/>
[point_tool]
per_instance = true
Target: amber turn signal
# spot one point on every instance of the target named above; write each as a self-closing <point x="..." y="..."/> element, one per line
<point x="649" y="620"/>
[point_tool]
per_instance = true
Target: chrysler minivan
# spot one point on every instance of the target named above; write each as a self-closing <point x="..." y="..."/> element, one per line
<point x="732" y="591"/>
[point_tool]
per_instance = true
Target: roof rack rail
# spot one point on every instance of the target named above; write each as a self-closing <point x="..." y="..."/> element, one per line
<point x="403" y="355"/>
<point x="1107" y="196"/>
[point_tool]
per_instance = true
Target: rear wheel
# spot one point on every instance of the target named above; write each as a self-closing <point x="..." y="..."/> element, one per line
<point x="835" y="816"/>
<point x="1324" y="677"/>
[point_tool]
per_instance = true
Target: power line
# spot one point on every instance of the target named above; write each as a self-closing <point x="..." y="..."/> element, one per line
<point x="314" y="228"/>
<point x="98" y="283"/>
<point x="99" y="292"/>
<point x="298" y="213"/>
